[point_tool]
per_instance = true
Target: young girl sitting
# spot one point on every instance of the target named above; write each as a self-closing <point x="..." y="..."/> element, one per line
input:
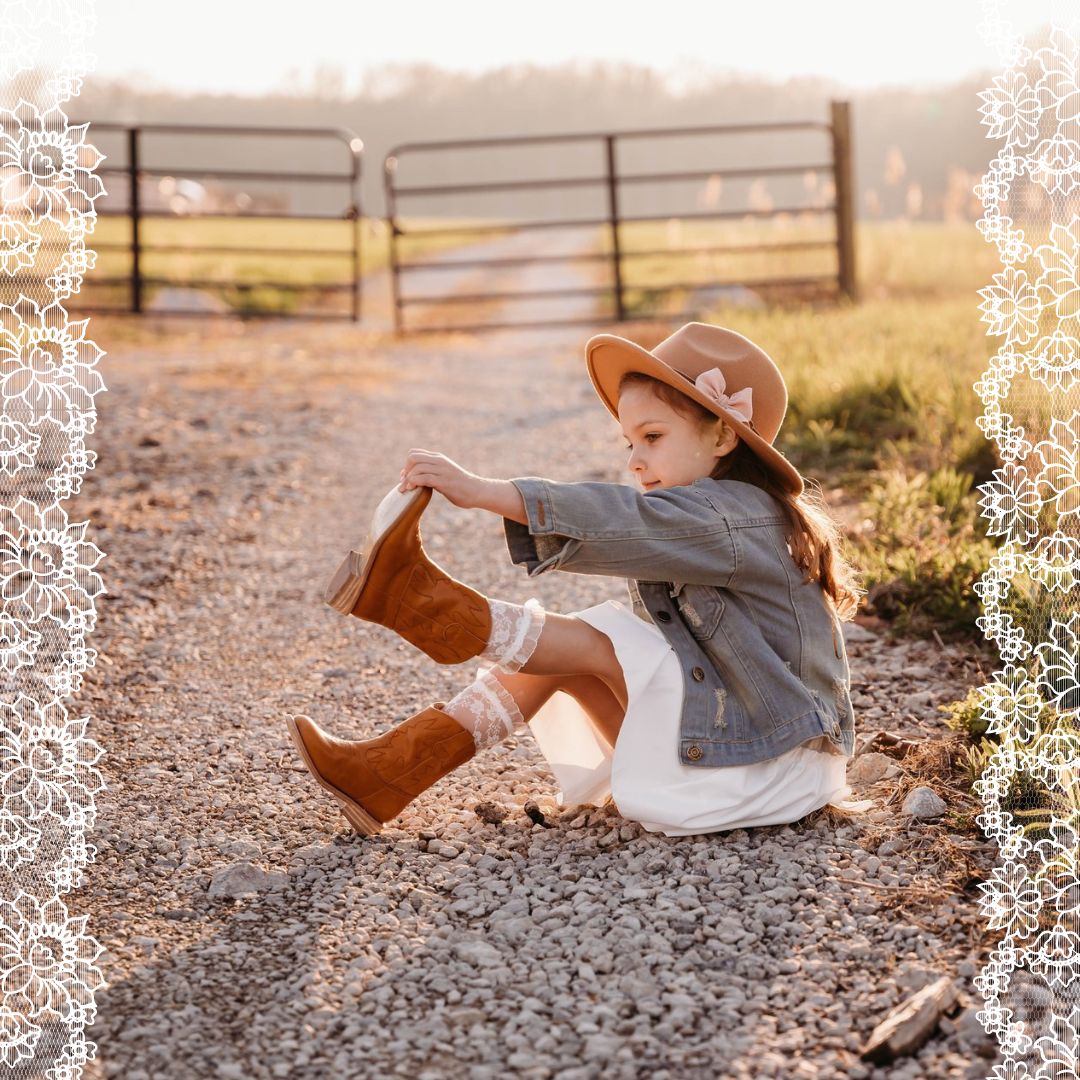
<point x="721" y="700"/>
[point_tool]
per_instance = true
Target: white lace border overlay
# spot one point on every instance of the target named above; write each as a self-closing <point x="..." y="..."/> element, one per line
<point x="1030" y="982"/>
<point x="50" y="585"/>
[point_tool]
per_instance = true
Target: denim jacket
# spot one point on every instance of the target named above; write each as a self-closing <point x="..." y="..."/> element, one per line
<point x="762" y="654"/>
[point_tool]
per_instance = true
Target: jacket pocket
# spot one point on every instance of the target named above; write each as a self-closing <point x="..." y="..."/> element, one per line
<point x="702" y="607"/>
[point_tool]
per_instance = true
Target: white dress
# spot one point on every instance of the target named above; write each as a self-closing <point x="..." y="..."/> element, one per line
<point x="643" y="774"/>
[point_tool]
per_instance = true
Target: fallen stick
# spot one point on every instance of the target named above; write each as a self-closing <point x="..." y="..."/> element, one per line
<point x="912" y="887"/>
<point x="910" y="1024"/>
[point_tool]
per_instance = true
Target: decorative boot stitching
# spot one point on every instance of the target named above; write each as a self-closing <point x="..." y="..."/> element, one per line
<point x="423" y="745"/>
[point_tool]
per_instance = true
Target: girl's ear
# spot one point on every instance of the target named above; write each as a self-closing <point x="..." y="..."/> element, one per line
<point x="727" y="438"/>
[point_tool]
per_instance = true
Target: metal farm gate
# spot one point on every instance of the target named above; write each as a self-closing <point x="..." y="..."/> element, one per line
<point x="613" y="183"/>
<point x="178" y="196"/>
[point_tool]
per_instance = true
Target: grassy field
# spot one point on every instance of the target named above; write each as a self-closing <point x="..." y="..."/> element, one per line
<point x="315" y="254"/>
<point x="893" y="259"/>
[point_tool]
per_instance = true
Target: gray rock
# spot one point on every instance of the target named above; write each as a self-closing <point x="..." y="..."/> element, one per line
<point x="478" y="953"/>
<point x="243" y="879"/>
<point x="871" y="767"/>
<point x="243" y="849"/>
<point x="310" y="853"/>
<point x="601" y="1047"/>
<point x="973" y="1036"/>
<point x="924" y="802"/>
<point x="441" y="847"/>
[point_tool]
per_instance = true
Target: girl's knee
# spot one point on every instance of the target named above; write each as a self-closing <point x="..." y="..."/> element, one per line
<point x="593" y="691"/>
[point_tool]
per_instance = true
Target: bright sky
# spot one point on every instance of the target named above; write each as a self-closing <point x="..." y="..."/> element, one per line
<point x="249" y="46"/>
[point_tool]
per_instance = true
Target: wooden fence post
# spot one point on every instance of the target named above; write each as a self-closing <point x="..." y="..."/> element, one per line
<point x="613" y="217"/>
<point x="136" y="217"/>
<point x="845" y="196"/>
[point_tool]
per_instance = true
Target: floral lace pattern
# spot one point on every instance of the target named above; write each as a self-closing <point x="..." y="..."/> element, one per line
<point x="1029" y="593"/>
<point x="49" y="382"/>
<point x="515" y="631"/>
<point x="487" y="709"/>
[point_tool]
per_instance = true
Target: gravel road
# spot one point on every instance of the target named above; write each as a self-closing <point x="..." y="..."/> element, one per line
<point x="251" y="934"/>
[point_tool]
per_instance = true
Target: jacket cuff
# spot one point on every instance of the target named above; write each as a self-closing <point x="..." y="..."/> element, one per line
<point x="535" y="546"/>
<point x="538" y="506"/>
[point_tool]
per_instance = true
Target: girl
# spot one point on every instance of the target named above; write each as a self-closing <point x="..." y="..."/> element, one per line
<point x="720" y="701"/>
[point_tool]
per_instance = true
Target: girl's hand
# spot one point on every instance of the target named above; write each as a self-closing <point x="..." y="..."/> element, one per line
<point x="426" y="468"/>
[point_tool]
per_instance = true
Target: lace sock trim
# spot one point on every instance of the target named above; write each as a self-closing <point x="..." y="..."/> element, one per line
<point x="515" y="631"/>
<point x="487" y="709"/>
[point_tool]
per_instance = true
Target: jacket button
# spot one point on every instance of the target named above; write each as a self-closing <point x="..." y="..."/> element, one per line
<point x="698" y="673"/>
<point x="694" y="752"/>
<point x="664" y="616"/>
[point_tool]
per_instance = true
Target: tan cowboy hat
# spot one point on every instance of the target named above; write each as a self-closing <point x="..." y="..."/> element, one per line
<point x="719" y="369"/>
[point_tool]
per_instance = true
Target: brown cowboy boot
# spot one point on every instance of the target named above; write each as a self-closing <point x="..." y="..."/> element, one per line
<point x="391" y="581"/>
<point x="375" y="779"/>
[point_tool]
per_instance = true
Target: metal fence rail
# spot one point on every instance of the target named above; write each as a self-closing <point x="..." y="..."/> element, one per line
<point x="137" y="173"/>
<point x="613" y="182"/>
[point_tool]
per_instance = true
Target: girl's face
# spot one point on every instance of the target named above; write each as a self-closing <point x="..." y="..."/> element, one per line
<point x="666" y="448"/>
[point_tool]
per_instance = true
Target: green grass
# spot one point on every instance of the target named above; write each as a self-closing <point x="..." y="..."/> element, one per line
<point x="892" y="259"/>
<point x="1030" y="803"/>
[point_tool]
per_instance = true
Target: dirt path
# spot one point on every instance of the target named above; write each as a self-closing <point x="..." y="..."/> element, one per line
<point x="451" y="280"/>
<point x="236" y="464"/>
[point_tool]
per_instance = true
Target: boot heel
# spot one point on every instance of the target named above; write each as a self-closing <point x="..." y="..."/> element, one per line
<point x="361" y="822"/>
<point x="344" y="588"/>
<point x="348" y="581"/>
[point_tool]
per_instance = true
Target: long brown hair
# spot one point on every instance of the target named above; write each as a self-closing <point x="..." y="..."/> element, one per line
<point x="813" y="535"/>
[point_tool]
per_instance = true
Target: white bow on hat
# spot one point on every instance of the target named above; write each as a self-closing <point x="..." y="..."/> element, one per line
<point x="711" y="383"/>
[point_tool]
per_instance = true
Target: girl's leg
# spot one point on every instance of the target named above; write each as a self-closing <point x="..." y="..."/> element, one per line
<point x="533" y="691"/>
<point x="599" y="702"/>
<point x="531" y="640"/>
<point x="499" y="702"/>
<point x="568" y="646"/>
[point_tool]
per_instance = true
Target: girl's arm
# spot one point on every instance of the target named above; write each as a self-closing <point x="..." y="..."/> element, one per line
<point x="428" y="468"/>
<point x="502" y="498"/>
<point x="670" y="534"/>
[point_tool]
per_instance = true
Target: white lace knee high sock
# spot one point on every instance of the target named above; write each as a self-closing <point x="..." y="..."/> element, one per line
<point x="515" y="630"/>
<point x="487" y="709"/>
